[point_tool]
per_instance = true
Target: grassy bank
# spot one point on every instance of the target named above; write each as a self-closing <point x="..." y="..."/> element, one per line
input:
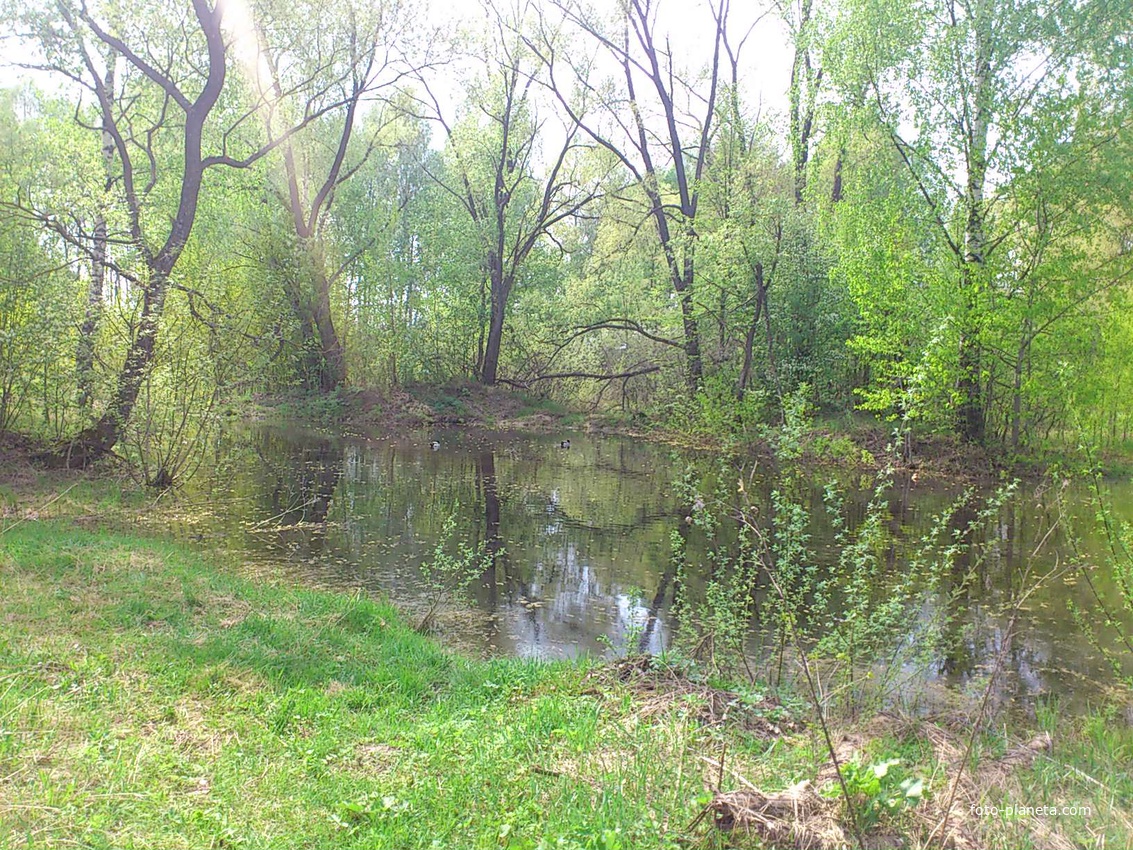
<point x="152" y="697"/>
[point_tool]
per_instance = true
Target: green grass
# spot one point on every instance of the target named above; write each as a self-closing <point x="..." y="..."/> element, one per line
<point x="150" y="696"/>
<point x="151" y="699"/>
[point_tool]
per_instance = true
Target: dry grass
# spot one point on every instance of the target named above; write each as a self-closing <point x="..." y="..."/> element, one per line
<point x="795" y="817"/>
<point x="811" y="813"/>
<point x="660" y="689"/>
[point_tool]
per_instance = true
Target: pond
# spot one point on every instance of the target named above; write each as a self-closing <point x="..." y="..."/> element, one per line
<point x="582" y="542"/>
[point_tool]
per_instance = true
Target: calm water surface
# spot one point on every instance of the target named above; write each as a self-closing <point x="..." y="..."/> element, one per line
<point x="583" y="539"/>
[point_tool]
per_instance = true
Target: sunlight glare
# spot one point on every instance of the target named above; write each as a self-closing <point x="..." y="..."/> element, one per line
<point x="240" y="25"/>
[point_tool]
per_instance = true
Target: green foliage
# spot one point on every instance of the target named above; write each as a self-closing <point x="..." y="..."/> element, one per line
<point x="39" y="293"/>
<point x="875" y="259"/>
<point x="881" y="790"/>
<point x="966" y="246"/>
<point x="787" y="440"/>
<point x="719" y="413"/>
<point x="453" y="568"/>
<point x="714" y="625"/>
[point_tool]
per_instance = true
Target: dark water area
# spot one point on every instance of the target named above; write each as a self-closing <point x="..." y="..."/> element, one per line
<point x="579" y="539"/>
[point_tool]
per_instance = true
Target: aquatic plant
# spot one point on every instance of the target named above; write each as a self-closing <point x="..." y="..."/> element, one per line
<point x="449" y="573"/>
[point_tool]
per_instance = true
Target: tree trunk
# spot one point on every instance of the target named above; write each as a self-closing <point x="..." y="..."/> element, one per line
<point x="1017" y="387"/>
<point x="769" y="333"/>
<point x="501" y="288"/>
<point x="96" y="441"/>
<point x="695" y="370"/>
<point x="970" y="414"/>
<point x="84" y="356"/>
<point x="1016" y="404"/>
<point x="749" y="340"/>
<point x="801" y="97"/>
<point x="323" y="367"/>
<point x="332" y="373"/>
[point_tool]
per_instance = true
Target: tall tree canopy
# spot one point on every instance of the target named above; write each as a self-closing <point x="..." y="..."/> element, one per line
<point x="686" y="213"/>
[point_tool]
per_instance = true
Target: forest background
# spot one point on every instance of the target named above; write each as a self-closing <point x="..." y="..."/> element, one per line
<point x="609" y="207"/>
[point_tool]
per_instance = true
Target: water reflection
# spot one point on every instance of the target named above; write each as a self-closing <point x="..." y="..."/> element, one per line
<point x="577" y="543"/>
<point x="493" y="544"/>
<point x="304" y="479"/>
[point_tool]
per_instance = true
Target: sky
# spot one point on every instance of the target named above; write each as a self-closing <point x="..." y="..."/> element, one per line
<point x="765" y="62"/>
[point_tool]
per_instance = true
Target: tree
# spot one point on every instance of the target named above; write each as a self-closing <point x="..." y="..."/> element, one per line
<point x="1067" y="260"/>
<point x="959" y="88"/>
<point x="806" y="83"/>
<point x="758" y="233"/>
<point x="743" y="180"/>
<point x="99" y="255"/>
<point x="389" y="223"/>
<point x="177" y="65"/>
<point x="39" y="304"/>
<point x="351" y="57"/>
<point x="494" y="163"/>
<point x="649" y="117"/>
